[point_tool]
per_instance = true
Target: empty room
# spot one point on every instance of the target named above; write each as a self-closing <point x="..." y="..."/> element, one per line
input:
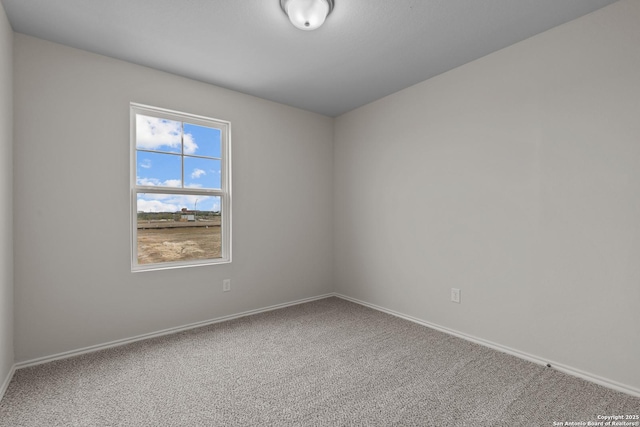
<point x="320" y="213"/>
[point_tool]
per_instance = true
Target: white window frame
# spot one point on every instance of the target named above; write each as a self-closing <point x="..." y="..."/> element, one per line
<point x="224" y="192"/>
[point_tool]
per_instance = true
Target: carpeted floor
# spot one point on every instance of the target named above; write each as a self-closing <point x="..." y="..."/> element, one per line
<point x="324" y="363"/>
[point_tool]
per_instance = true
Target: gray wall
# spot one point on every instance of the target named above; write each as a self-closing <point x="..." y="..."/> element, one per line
<point x="514" y="178"/>
<point x="6" y="197"/>
<point x="73" y="285"/>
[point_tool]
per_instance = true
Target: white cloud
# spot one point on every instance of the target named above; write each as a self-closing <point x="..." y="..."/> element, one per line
<point x="197" y="173"/>
<point x="155" y="202"/>
<point x="146" y="181"/>
<point x="155" y="206"/>
<point x="153" y="182"/>
<point x="146" y="163"/>
<point x="190" y="145"/>
<point x="172" y="183"/>
<point x="153" y="133"/>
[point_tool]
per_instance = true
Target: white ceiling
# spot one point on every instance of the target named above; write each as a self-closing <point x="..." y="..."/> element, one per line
<point x="366" y="49"/>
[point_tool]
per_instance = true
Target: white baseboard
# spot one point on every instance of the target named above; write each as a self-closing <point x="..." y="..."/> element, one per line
<point x="523" y="355"/>
<point x="7" y="380"/>
<point x="117" y="343"/>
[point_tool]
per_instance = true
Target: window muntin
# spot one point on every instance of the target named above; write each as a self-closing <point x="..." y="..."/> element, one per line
<point x="180" y="186"/>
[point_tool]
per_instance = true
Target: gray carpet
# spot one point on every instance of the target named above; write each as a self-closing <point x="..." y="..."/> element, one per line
<point x="324" y="363"/>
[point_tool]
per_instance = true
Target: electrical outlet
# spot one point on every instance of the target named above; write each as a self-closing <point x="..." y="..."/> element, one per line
<point x="455" y="295"/>
<point x="226" y="285"/>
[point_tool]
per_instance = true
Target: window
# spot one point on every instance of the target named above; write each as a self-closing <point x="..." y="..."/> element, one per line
<point x="180" y="189"/>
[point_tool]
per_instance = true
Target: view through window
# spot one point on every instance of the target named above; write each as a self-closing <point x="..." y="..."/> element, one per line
<point x="180" y="189"/>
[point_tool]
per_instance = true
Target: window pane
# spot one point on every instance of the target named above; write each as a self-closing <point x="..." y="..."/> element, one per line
<point x="178" y="227"/>
<point x="157" y="134"/>
<point x="163" y="170"/>
<point x="201" y="173"/>
<point x="201" y="141"/>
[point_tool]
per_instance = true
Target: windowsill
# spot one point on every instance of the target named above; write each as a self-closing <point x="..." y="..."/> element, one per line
<point x="174" y="265"/>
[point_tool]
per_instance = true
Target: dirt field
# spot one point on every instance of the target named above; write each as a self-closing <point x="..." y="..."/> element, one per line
<point x="178" y="244"/>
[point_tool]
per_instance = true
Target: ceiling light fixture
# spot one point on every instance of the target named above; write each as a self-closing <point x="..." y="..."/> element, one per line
<point x="307" y="14"/>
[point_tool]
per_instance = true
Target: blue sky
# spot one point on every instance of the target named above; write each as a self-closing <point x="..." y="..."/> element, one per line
<point x="162" y="164"/>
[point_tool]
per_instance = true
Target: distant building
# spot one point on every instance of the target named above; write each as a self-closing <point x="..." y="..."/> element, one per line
<point x="187" y="215"/>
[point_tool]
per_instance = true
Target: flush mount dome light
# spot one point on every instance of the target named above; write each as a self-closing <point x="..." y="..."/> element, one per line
<point x="307" y="14"/>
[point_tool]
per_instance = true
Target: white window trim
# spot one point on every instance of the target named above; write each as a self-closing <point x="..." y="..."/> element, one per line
<point x="224" y="192"/>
